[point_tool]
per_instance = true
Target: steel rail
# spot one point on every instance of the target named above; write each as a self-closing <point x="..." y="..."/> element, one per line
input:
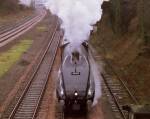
<point x="110" y="88"/>
<point x="122" y="82"/>
<point x="32" y="78"/>
<point x="10" y="35"/>
<point x="9" y="27"/>
<point x="50" y="69"/>
<point x="114" y="97"/>
<point x="18" y="27"/>
<point x="18" y="30"/>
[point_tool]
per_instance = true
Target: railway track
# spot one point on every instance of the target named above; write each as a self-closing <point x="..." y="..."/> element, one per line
<point x="15" y="31"/>
<point x="117" y="92"/>
<point x="27" y="106"/>
<point x="9" y="26"/>
<point x="61" y="115"/>
<point x="76" y="116"/>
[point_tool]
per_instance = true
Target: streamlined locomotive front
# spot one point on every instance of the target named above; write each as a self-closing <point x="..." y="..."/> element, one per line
<point x="75" y="87"/>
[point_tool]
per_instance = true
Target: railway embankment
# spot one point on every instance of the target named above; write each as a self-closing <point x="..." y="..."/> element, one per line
<point x="122" y="38"/>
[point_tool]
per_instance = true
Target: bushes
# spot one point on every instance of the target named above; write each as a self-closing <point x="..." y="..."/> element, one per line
<point x="115" y="15"/>
<point x="144" y="16"/>
<point x="7" y="6"/>
<point x="122" y="12"/>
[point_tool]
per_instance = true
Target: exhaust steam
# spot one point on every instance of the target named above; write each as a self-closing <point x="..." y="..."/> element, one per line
<point x="25" y="2"/>
<point x="78" y="17"/>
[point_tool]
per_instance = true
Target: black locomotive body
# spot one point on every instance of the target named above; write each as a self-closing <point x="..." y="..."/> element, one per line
<point x="75" y="86"/>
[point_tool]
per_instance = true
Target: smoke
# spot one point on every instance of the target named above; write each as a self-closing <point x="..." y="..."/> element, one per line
<point x="25" y="2"/>
<point x="95" y="71"/>
<point x="78" y="17"/>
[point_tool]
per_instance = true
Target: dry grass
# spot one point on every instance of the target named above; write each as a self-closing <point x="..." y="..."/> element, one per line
<point x="7" y="59"/>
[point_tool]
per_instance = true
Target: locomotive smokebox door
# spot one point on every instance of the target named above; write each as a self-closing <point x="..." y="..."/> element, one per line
<point x="138" y="111"/>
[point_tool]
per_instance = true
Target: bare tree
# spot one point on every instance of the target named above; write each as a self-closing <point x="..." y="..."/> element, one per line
<point x="116" y="15"/>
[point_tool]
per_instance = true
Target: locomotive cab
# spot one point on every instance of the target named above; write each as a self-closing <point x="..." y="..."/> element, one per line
<point x="75" y="87"/>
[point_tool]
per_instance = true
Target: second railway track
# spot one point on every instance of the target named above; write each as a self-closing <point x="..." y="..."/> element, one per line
<point x="10" y="34"/>
<point x="116" y="90"/>
<point x="11" y="26"/>
<point x="27" y="106"/>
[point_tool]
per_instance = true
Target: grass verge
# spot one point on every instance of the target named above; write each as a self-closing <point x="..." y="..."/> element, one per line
<point x="10" y="57"/>
<point x="41" y="28"/>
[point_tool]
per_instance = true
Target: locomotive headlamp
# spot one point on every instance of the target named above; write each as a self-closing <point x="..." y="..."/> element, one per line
<point x="76" y="94"/>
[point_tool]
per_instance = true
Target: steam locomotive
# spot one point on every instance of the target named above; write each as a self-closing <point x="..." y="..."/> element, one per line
<point x="75" y="86"/>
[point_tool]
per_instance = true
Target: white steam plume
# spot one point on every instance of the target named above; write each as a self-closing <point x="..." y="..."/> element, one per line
<point x="25" y="2"/>
<point x="78" y="17"/>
